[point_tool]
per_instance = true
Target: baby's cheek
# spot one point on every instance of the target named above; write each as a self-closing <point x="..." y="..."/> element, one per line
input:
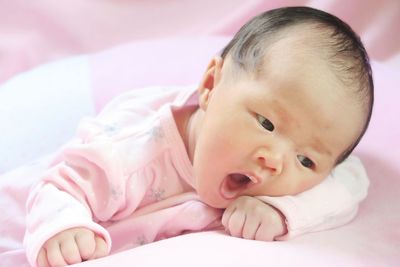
<point x="290" y="184"/>
<point x="308" y="182"/>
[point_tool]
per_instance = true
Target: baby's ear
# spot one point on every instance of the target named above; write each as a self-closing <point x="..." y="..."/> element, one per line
<point x="211" y="78"/>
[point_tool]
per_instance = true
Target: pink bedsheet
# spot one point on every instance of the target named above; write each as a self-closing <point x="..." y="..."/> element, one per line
<point x="41" y="31"/>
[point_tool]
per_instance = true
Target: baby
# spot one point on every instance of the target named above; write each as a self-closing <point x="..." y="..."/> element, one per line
<point x="249" y="149"/>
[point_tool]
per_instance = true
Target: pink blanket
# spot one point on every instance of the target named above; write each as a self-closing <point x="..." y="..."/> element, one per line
<point x="80" y="86"/>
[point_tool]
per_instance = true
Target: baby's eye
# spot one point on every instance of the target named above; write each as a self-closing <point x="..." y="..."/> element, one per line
<point x="306" y="162"/>
<point x="266" y="123"/>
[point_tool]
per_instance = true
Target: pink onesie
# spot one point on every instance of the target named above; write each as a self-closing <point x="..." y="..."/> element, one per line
<point x="127" y="177"/>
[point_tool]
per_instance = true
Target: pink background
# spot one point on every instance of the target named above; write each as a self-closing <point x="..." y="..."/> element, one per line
<point x="34" y="32"/>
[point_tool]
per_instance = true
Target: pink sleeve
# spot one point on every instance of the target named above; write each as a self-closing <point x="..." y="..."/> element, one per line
<point x="50" y="211"/>
<point x="90" y="185"/>
<point x="87" y="187"/>
<point x="330" y="204"/>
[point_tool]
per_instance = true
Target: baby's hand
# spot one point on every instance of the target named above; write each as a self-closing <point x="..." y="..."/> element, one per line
<point x="250" y="218"/>
<point x="71" y="246"/>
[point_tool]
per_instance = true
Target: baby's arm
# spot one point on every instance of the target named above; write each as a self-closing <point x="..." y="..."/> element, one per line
<point x="88" y="186"/>
<point x="53" y="212"/>
<point x="330" y="204"/>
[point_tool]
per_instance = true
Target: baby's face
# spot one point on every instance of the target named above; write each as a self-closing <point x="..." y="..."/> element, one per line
<point x="274" y="135"/>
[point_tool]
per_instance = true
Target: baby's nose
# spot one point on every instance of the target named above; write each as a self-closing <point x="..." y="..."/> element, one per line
<point x="271" y="160"/>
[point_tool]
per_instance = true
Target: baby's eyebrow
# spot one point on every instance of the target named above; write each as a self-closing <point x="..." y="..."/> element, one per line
<point x="320" y="147"/>
<point x="285" y="117"/>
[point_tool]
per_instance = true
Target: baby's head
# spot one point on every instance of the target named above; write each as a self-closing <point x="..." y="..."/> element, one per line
<point x="316" y="33"/>
<point x="289" y="99"/>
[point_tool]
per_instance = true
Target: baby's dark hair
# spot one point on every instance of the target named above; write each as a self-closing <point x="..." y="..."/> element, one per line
<point x="346" y="53"/>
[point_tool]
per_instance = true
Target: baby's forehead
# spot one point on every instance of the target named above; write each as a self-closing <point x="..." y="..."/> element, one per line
<point x="303" y="40"/>
<point x="294" y="58"/>
<point x="302" y="55"/>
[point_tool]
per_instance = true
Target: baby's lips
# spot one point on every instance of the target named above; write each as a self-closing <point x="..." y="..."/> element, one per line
<point x="229" y="190"/>
<point x="225" y="192"/>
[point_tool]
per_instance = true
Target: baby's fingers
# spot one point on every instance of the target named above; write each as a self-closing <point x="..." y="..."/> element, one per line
<point x="85" y="240"/>
<point x="227" y="215"/>
<point x="54" y="256"/>
<point x="236" y="223"/>
<point x="70" y="251"/>
<point x="250" y="228"/>
<point x="101" y="248"/>
<point x="42" y="259"/>
<point x="265" y="233"/>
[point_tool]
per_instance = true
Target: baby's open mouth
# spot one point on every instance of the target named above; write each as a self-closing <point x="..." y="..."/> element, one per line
<point x="235" y="183"/>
